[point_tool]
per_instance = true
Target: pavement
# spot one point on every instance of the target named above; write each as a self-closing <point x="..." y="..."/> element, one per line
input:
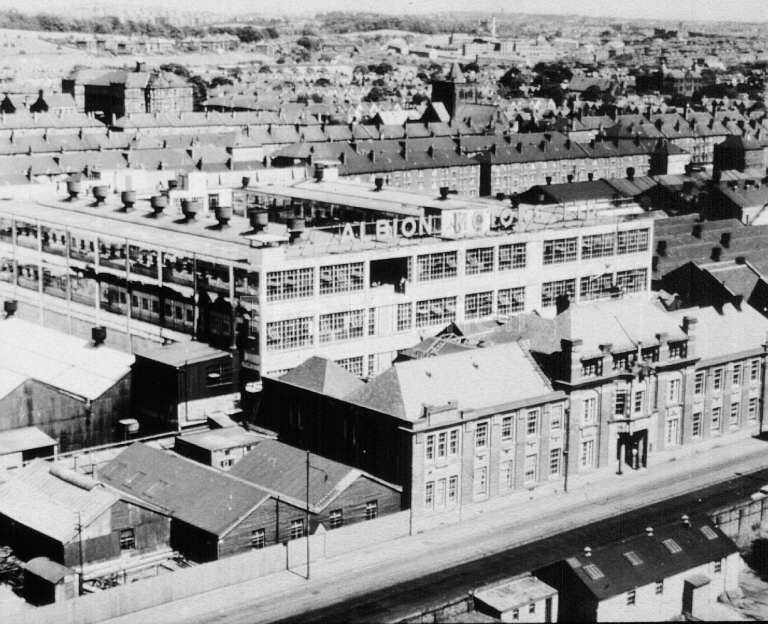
<point x="596" y="496"/>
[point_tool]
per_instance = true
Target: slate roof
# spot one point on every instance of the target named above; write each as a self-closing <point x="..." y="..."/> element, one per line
<point x="619" y="575"/>
<point x="323" y="376"/>
<point x="477" y="379"/>
<point x="48" y="499"/>
<point x="198" y="495"/>
<point x="282" y="469"/>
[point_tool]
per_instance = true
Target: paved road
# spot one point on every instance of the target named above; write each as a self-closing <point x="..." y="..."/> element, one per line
<point x="403" y="599"/>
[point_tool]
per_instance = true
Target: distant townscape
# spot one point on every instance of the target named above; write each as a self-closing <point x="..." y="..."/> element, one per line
<point x="356" y="317"/>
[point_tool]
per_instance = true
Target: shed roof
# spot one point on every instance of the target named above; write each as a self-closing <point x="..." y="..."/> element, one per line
<point x="46" y="569"/>
<point x="200" y="496"/>
<point x="24" y="439"/>
<point x="180" y="354"/>
<point x="60" y="360"/>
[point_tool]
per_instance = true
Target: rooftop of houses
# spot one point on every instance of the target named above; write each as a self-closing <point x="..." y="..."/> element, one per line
<point x="60" y="360"/>
<point x="323" y="376"/>
<point x="475" y="380"/>
<point x="196" y="494"/>
<point x="53" y="500"/>
<point x="281" y="469"/>
<point x="222" y="439"/>
<point x="641" y="560"/>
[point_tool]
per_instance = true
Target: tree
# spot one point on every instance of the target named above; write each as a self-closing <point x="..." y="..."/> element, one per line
<point x="322" y="82"/>
<point x="176" y="68"/>
<point x="591" y="93"/>
<point x="218" y="81"/>
<point x="376" y="94"/>
<point x="309" y="43"/>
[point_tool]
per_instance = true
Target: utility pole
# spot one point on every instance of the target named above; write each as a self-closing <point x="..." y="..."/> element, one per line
<point x="307" y="527"/>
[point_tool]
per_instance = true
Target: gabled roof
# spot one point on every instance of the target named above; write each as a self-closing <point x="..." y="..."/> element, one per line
<point x="477" y="379"/>
<point x="614" y="573"/>
<point x="455" y="74"/>
<point x="322" y="376"/>
<point x="281" y="469"/>
<point x="198" y="495"/>
<point x="51" y="500"/>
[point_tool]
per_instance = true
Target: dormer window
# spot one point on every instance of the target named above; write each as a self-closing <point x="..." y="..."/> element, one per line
<point x="650" y="354"/>
<point x="622" y="361"/>
<point x="592" y="367"/>
<point x="678" y="350"/>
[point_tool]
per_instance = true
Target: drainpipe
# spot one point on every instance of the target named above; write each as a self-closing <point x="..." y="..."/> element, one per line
<point x="566" y="450"/>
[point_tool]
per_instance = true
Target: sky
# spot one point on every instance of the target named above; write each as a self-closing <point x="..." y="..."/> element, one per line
<point x="686" y="10"/>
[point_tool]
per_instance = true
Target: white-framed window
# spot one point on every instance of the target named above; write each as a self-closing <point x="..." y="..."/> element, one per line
<point x="717" y="566"/>
<point x="531" y="468"/>
<point x="338" y="278"/>
<point x="507" y="423"/>
<point x="754" y="370"/>
<point x="555" y="461"/>
<point x="672" y="431"/>
<point x="510" y="300"/>
<point x="532" y="422"/>
<point x="352" y="364"/>
<point x="435" y="266"/>
<point x="587" y="454"/>
<point x="290" y="284"/>
<point x="632" y="281"/>
<point x="478" y="261"/>
<point x="481" y="434"/>
<point x="593" y="367"/>
<point x="478" y="305"/>
<point x="512" y="256"/>
<point x="736" y="375"/>
<point x="715" y="418"/>
<point x="698" y="383"/>
<point x="429" y="495"/>
<point x="453" y="489"/>
<point x="258" y="538"/>
<point x="336" y="518"/>
<point x="439" y="311"/>
<point x="404" y="316"/>
<point x="638" y="401"/>
<point x="550" y="291"/>
<point x="717" y="379"/>
<point x="453" y="442"/>
<point x="674" y="385"/>
<point x="632" y="241"/>
<point x="620" y="403"/>
<point x="556" y="417"/>
<point x="429" y="446"/>
<point x="598" y="245"/>
<point x="659" y="587"/>
<point x="371" y="510"/>
<point x="631" y="597"/>
<point x="481" y="480"/>
<point x="297" y="529"/>
<point x="595" y="286"/>
<point x="289" y="334"/>
<point x="558" y="251"/>
<point x="589" y="410"/>
<point x="696" y="424"/>
<point x="734" y="414"/>
<point x="752" y="408"/>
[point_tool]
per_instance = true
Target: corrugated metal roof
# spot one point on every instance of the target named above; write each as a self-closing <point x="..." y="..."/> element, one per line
<point x="60" y="360"/>
<point x="24" y="439"/>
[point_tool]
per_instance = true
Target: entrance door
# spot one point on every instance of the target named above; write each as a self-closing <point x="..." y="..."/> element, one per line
<point x="634" y="447"/>
<point x="548" y="610"/>
<point x="687" y="597"/>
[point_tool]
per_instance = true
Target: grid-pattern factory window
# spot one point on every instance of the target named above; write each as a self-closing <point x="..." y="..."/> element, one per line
<point x="597" y="245"/>
<point x="258" y="538"/>
<point x="352" y="364"/>
<point x="436" y="266"/>
<point x="632" y="241"/>
<point x="560" y="250"/>
<point x="550" y="291"/>
<point x="512" y="256"/>
<point x="297" y="529"/>
<point x="479" y="261"/>
<point x="596" y="286"/>
<point x="289" y="334"/>
<point x="510" y="300"/>
<point x="632" y="281"/>
<point x="336" y="518"/>
<point x="339" y="326"/>
<point x="404" y="316"/>
<point x="436" y="311"/>
<point x="290" y="284"/>
<point x="371" y="510"/>
<point x="338" y="278"/>
<point x="478" y="305"/>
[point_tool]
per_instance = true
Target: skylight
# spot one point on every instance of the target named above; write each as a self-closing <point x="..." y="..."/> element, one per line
<point x="672" y="546"/>
<point x="594" y="572"/>
<point x="633" y="558"/>
<point x="708" y="532"/>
